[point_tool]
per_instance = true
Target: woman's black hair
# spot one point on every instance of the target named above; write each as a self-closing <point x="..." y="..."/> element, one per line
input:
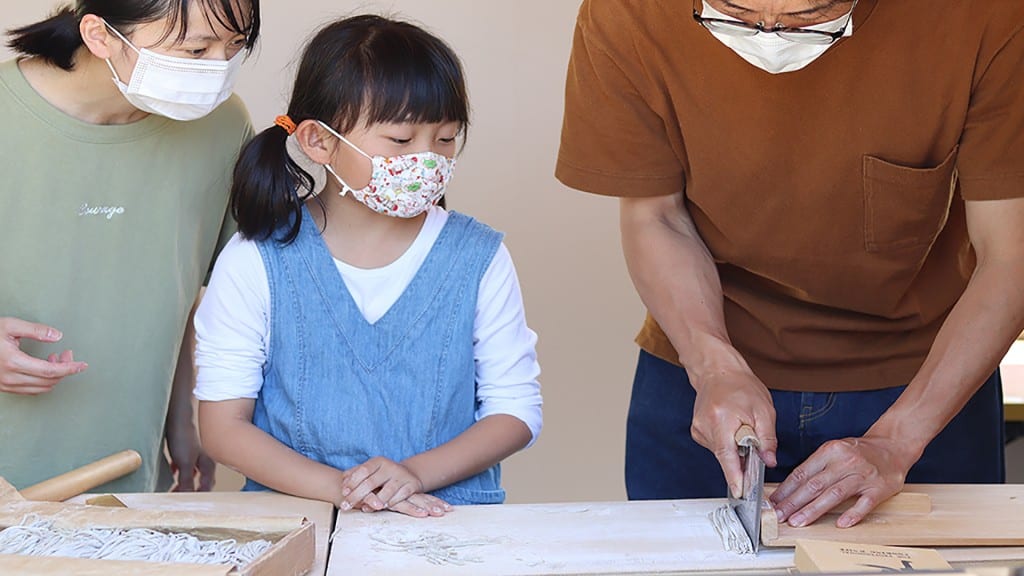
<point x="57" y="39"/>
<point x="365" y="68"/>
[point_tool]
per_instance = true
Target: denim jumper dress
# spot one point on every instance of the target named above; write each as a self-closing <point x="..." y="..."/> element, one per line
<point x="340" y="390"/>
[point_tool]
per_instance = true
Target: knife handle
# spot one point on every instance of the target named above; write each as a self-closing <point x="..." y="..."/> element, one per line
<point x="745" y="437"/>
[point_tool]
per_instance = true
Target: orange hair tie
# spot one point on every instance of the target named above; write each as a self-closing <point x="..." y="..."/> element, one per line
<point x="285" y="122"/>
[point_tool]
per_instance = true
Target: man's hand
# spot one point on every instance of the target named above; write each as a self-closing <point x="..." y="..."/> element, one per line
<point x="725" y="401"/>
<point x="380" y="483"/>
<point x="188" y="460"/>
<point x="869" y="468"/>
<point x="23" y="374"/>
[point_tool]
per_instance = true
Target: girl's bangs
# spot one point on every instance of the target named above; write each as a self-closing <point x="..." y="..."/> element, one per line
<point x="423" y="88"/>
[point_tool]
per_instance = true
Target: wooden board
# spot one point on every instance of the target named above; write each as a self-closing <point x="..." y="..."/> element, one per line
<point x="962" y="515"/>
<point x="653" y="537"/>
<point x="243" y="504"/>
<point x="528" y="539"/>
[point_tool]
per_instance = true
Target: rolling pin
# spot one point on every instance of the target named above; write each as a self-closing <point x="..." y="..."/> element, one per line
<point x="79" y="480"/>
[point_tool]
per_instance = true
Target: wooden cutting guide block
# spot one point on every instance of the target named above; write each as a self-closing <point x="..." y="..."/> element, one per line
<point x="961" y="515"/>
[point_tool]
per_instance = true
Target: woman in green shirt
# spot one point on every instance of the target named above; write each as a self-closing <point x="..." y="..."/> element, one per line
<point x="120" y="133"/>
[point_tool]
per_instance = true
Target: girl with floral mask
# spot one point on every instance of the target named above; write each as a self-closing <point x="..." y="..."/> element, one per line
<point x="119" y="138"/>
<point x="358" y="343"/>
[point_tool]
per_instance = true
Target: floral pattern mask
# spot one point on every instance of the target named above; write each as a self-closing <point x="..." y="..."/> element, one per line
<point x="400" y="186"/>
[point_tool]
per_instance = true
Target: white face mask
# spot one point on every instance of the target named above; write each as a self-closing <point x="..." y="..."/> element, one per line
<point x="177" y="88"/>
<point x="402" y="186"/>
<point x="772" y="53"/>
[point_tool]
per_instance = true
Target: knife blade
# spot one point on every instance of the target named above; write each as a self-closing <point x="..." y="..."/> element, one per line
<point x="748" y="507"/>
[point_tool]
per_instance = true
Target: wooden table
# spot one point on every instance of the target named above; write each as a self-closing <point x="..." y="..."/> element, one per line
<point x="242" y="503"/>
<point x="654" y="537"/>
<point x="1012" y="371"/>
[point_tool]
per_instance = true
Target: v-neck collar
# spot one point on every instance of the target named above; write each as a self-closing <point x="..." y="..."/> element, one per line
<point x="391" y="330"/>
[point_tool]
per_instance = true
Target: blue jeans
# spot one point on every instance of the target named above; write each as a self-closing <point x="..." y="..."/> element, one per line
<point x="664" y="462"/>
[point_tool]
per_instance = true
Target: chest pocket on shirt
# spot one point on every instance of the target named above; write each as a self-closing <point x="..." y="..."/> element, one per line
<point x="905" y="207"/>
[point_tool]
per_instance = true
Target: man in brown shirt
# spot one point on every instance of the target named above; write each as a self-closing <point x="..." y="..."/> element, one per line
<point x="822" y="207"/>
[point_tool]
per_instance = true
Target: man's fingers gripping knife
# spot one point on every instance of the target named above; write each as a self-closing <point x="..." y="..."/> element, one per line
<point x="769" y="442"/>
<point x="727" y="454"/>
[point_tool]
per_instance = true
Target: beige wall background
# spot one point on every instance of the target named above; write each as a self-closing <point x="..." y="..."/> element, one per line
<point x="565" y="243"/>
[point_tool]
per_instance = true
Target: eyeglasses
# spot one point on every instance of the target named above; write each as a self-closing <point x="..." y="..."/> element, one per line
<point x="798" y="35"/>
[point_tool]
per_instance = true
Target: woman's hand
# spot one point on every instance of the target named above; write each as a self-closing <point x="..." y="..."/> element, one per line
<point x="193" y="469"/>
<point x="23" y="374"/>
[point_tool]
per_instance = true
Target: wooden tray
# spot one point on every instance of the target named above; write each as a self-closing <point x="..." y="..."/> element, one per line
<point x="292" y="537"/>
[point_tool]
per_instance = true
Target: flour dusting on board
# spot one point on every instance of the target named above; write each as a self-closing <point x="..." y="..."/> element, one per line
<point x="440" y="548"/>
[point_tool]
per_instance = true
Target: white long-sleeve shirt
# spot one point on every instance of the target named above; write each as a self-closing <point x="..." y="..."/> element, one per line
<point x="233" y="324"/>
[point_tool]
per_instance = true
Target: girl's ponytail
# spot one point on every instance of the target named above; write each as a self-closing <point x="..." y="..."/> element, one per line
<point x="55" y="39"/>
<point x="267" y="186"/>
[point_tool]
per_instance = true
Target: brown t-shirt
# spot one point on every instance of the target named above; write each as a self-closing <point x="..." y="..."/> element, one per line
<point x="831" y="198"/>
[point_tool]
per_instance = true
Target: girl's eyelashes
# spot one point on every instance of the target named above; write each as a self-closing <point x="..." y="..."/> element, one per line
<point x="404" y="141"/>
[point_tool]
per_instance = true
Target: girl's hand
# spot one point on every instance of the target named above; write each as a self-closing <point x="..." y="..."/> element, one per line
<point x="377" y="484"/>
<point x="418" y="506"/>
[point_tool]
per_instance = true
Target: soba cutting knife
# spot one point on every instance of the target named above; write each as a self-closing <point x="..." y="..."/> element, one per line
<point x="748" y="507"/>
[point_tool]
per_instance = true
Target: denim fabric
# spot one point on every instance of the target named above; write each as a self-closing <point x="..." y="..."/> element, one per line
<point x="340" y="391"/>
<point x="664" y="462"/>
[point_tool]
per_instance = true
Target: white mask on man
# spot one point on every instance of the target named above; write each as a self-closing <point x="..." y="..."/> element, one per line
<point x="775" y="54"/>
<point x="177" y="88"/>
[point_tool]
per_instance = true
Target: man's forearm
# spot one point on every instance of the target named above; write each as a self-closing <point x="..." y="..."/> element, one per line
<point x="678" y="282"/>
<point x="967" y="349"/>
